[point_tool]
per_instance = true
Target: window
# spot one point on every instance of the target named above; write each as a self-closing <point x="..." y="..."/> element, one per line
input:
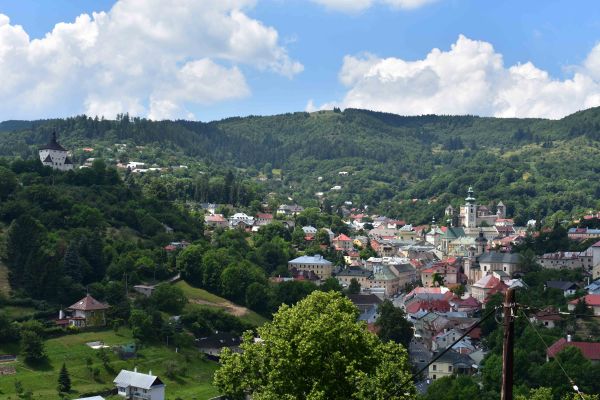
<point x="449" y="368"/>
<point x="434" y="368"/>
<point x="434" y="376"/>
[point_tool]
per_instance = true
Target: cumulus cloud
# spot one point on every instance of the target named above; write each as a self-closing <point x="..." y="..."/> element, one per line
<point x="146" y="57"/>
<point x="354" y="6"/>
<point x="470" y="78"/>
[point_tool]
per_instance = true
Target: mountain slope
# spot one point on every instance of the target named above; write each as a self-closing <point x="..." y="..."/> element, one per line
<point x="537" y="166"/>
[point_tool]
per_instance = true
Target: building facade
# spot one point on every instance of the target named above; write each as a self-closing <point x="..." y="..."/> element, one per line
<point x="55" y="156"/>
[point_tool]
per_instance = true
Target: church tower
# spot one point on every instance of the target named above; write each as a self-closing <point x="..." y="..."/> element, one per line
<point x="501" y="210"/>
<point x="470" y="212"/>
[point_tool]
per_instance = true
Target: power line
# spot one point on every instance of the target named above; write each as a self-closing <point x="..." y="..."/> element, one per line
<point x="575" y="387"/>
<point x="416" y="374"/>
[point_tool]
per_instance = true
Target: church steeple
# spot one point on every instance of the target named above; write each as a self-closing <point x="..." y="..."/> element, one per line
<point x="470" y="196"/>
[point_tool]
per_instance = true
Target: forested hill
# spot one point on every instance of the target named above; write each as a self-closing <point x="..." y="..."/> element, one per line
<point x="536" y="166"/>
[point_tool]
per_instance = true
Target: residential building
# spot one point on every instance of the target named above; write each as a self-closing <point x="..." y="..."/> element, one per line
<point x="91" y="398"/>
<point x="583" y="233"/>
<point x="449" y="271"/>
<point x="361" y="275"/>
<point x="452" y="362"/>
<point x="289" y="210"/>
<point x="87" y="312"/>
<point x="146" y="290"/>
<point x="487" y="286"/>
<point x="55" y="156"/>
<point x="317" y="264"/>
<point x="591" y="300"/>
<point x="593" y="287"/>
<point x="568" y="260"/>
<point x="380" y="278"/>
<point x="216" y="221"/>
<point x="241" y="220"/>
<point x="138" y="386"/>
<point x="589" y="350"/>
<point x="405" y="272"/>
<point x="213" y="345"/>
<point x="263" y="219"/>
<point x="568" y="288"/>
<point x="309" y="232"/>
<point x="548" y="317"/>
<point x="342" y="243"/>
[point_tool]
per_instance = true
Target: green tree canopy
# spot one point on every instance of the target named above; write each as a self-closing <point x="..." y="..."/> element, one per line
<point x="393" y="325"/>
<point x="316" y="350"/>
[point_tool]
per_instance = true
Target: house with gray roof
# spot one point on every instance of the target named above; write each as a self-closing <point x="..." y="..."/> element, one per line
<point x="496" y="261"/>
<point x="568" y="288"/>
<point x="136" y="385"/>
<point x="452" y="362"/>
<point x="316" y="264"/>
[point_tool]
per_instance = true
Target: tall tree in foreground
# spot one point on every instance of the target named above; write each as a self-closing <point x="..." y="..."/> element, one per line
<point x="316" y="350"/>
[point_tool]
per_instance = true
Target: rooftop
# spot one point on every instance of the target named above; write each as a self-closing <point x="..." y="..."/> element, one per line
<point x="136" y="379"/>
<point x="315" y="260"/>
<point x="88" y="303"/>
<point x="589" y="350"/>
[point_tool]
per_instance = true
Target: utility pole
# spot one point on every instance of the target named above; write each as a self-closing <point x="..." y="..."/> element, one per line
<point x="508" y="345"/>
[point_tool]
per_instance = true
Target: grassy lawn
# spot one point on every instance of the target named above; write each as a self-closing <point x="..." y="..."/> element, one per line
<point x="196" y="382"/>
<point x="193" y="293"/>
<point x="207" y="299"/>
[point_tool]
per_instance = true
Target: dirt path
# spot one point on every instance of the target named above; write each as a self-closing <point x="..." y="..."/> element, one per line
<point x="228" y="306"/>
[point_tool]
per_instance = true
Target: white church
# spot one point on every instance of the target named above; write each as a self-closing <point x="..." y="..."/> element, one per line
<point x="55" y="156"/>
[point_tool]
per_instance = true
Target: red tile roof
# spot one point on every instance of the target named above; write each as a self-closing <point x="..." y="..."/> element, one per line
<point x="468" y="302"/>
<point x="264" y="216"/>
<point x="591" y="351"/>
<point x="88" y="303"/>
<point x="592" y="300"/>
<point x="343" y="238"/>
<point x="429" y="305"/>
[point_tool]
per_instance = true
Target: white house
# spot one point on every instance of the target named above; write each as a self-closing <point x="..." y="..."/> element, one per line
<point x="91" y="398"/>
<point x="137" y="386"/>
<point x="240" y="218"/>
<point x="55" y="156"/>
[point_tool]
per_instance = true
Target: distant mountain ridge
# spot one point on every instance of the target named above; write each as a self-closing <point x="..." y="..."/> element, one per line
<point x="391" y="158"/>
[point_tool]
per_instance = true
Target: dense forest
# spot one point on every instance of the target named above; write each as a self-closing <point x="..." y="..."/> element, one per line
<point x="407" y="167"/>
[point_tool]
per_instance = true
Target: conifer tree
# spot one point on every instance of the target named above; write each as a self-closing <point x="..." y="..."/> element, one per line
<point x="64" y="380"/>
<point x="72" y="263"/>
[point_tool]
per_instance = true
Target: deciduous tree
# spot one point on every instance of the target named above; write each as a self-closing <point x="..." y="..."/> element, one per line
<point x="316" y="350"/>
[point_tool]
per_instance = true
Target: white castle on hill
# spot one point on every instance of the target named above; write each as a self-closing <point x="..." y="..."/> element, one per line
<point x="55" y="156"/>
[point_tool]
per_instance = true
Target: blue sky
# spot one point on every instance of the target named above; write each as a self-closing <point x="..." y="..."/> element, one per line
<point x="556" y="37"/>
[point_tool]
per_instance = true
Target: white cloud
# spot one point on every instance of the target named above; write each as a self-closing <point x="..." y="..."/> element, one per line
<point x="470" y="78"/>
<point x="354" y="6"/>
<point x="145" y="57"/>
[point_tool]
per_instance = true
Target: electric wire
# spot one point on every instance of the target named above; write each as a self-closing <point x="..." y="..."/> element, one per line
<point x="416" y="374"/>
<point x="573" y="385"/>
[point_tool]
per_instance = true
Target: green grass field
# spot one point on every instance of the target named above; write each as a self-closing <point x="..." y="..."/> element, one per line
<point x="201" y="298"/>
<point x="195" y="383"/>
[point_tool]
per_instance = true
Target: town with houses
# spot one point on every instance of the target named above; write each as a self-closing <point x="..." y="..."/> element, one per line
<point x="441" y="276"/>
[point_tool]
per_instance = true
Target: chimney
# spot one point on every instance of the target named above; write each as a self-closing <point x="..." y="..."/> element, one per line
<point x="150" y="372"/>
<point x="134" y="369"/>
<point x="569" y="338"/>
<point x="61" y="314"/>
